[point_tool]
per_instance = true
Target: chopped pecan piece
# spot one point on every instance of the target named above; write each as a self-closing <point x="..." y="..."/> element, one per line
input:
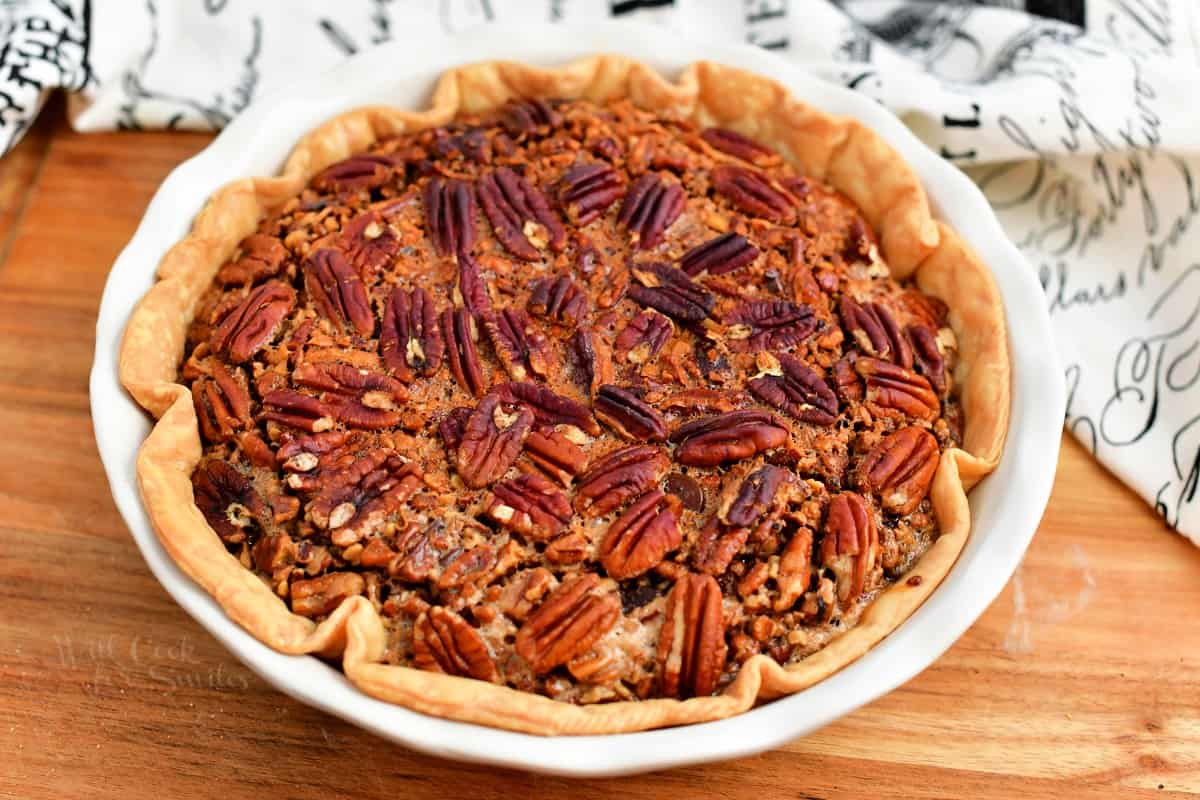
<point x="554" y="454"/>
<point x="410" y="340"/>
<point x="618" y="476"/>
<point x="262" y="257"/>
<point x="875" y="331"/>
<point x="900" y="469"/>
<point x="520" y="117"/>
<point x="369" y="244"/>
<point x="890" y="386"/>
<point x="450" y="215"/>
<point x="519" y="344"/>
<point x="687" y="489"/>
<point x="667" y="289"/>
<point x="317" y="597"/>
<point x="638" y="539"/>
<point x="739" y="146"/>
<point x="629" y="415"/>
<point x="452" y="426"/>
<point x="691" y="646"/>
<point x="769" y="325"/>
<point x="795" y="570"/>
<point x="716" y="547"/>
<point x="755" y="496"/>
<point x="519" y="214"/>
<point x="587" y="190"/>
<point x="710" y="441"/>
<point x="524" y="592"/>
<point x="927" y="355"/>
<point x="356" y="499"/>
<point x="753" y="193"/>
<point x="548" y="408"/>
<point x="797" y="391"/>
<point x="254" y="322"/>
<point x="338" y="293"/>
<point x="570" y="548"/>
<point x="297" y="410"/>
<point x="592" y="359"/>
<point x="560" y="300"/>
<point x="222" y="403"/>
<point x="492" y="440"/>
<point x="274" y="551"/>
<point x="355" y="174"/>
<point x="726" y="253"/>
<point x="228" y="500"/>
<point x="471" y="291"/>
<point x="642" y="339"/>
<point x="444" y="642"/>
<point x="568" y="622"/>
<point x="468" y="567"/>
<point x="461" y="332"/>
<point x="851" y="544"/>
<point x="530" y="505"/>
<point x="651" y="206"/>
<point x="849" y="387"/>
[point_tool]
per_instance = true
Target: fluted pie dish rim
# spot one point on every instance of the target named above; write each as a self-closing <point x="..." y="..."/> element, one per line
<point x="350" y="627"/>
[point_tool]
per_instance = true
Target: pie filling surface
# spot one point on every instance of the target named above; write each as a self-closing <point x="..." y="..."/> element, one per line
<point x="584" y="399"/>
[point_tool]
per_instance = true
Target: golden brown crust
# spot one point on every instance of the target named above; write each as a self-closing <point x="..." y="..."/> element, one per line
<point x="842" y="152"/>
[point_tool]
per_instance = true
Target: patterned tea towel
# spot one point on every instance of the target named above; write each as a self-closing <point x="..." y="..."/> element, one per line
<point x="1079" y="119"/>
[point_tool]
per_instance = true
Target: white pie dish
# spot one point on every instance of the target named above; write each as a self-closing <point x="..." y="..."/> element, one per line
<point x="1006" y="507"/>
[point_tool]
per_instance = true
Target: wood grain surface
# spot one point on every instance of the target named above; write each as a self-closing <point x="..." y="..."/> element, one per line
<point x="1082" y="680"/>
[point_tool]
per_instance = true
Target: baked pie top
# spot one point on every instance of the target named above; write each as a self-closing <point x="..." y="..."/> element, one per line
<point x="572" y="396"/>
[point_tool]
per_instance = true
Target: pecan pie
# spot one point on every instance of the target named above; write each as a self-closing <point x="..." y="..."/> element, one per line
<point x="582" y="402"/>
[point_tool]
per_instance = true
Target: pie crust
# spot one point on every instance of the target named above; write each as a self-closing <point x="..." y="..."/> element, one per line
<point x="841" y="152"/>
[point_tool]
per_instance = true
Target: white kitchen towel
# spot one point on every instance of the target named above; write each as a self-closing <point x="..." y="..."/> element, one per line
<point x="1079" y="119"/>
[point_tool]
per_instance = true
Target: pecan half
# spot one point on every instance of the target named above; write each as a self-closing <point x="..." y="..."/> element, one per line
<point x="355" y="174"/>
<point x="461" y="332"/>
<point x="592" y="358"/>
<point x="710" y="441"/>
<point x="726" y="253"/>
<point x="336" y="290"/>
<point x="586" y="191"/>
<point x="444" y="642"/>
<point x="519" y="344"/>
<point x="851" y="544"/>
<point x="519" y="214"/>
<point x="651" y="206"/>
<point x="691" y="646"/>
<point x="530" y="505"/>
<point x="618" y="476"/>
<point x="769" y="325"/>
<point x="568" y="622"/>
<point x="554" y="454"/>
<point x="316" y="597"/>
<point x="492" y="440"/>
<point x="262" y="257"/>
<point x="560" y="300"/>
<point x="890" y="386"/>
<point x="307" y="458"/>
<point x="410" y="340"/>
<point x="755" y="497"/>
<point x="795" y="570"/>
<point x="797" y="391"/>
<point x="356" y="499"/>
<point x="297" y="410"/>
<point x="667" y="289"/>
<point x="369" y="244"/>
<point x="222" y="403"/>
<point x="638" y="539"/>
<point x="642" y="339"/>
<point x="254" y="322"/>
<point x="900" y="469"/>
<point x="753" y="193"/>
<point x="450" y="215"/>
<point x="471" y="291"/>
<point x="927" y="355"/>
<point x="520" y="117"/>
<point x="629" y="415"/>
<point x="548" y="408"/>
<point x="716" y="546"/>
<point x="228" y="500"/>
<point x="739" y="146"/>
<point x="875" y="331"/>
<point x="359" y="398"/>
<point x="468" y="567"/>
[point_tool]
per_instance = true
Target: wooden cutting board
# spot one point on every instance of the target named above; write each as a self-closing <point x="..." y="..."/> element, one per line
<point x="1082" y="680"/>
